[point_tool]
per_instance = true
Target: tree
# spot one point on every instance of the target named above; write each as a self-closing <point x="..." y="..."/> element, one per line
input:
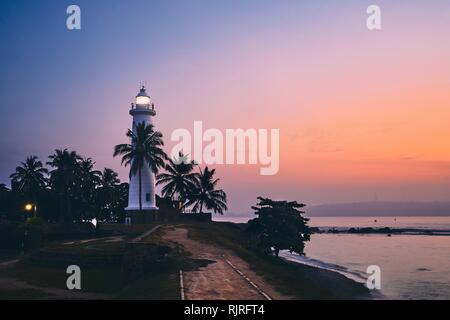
<point x="3" y="188"/>
<point x="4" y="197"/>
<point x="145" y="149"/>
<point x="29" y="178"/>
<point x="117" y="212"/>
<point x="108" y="190"/>
<point x="178" y="179"/>
<point x="279" y="226"/>
<point x="204" y="193"/>
<point x="108" y="182"/>
<point x="86" y="181"/>
<point x="64" y="176"/>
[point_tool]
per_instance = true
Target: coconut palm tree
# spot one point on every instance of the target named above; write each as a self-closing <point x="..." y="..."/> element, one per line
<point x="108" y="188"/>
<point x="120" y="202"/>
<point x="205" y="194"/>
<point x="3" y="191"/>
<point x="178" y="179"/>
<point x="88" y="179"/>
<point x="109" y="178"/>
<point x="3" y="188"/>
<point x="29" y="178"/>
<point x="64" y="176"/>
<point x="145" y="149"/>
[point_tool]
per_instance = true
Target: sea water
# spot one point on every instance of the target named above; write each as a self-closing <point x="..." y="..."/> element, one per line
<point x="413" y="266"/>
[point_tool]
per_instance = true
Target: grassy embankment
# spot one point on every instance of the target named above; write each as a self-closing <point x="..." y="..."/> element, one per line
<point x="105" y="277"/>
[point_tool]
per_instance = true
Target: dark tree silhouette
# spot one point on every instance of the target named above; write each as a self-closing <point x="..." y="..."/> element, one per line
<point x="108" y="191"/>
<point x="29" y="179"/>
<point x="74" y="191"/>
<point x="87" y="180"/>
<point x="178" y="179"/>
<point x="63" y="177"/>
<point x="205" y="195"/>
<point x="279" y="226"/>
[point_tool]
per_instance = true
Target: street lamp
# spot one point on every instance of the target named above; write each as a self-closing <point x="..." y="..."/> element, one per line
<point x="31" y="206"/>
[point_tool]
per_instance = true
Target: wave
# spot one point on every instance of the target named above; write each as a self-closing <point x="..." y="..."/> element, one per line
<point x="354" y="275"/>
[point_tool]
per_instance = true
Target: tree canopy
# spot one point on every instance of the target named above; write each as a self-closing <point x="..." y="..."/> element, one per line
<point x="279" y="226"/>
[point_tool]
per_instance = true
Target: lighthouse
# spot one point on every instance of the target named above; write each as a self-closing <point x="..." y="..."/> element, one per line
<point x="142" y="110"/>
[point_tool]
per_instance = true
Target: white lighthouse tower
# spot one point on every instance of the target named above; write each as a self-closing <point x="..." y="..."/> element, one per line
<point x="142" y="110"/>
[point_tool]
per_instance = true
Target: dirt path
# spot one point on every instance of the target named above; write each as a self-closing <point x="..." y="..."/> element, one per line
<point x="218" y="280"/>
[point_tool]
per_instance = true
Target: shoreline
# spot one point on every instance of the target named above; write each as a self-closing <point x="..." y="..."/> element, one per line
<point x="314" y="263"/>
<point x="344" y="286"/>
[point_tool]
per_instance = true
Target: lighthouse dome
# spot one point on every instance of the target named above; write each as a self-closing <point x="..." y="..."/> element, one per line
<point x="143" y="99"/>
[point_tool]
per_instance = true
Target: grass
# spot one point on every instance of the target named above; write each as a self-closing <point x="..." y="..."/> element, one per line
<point x="97" y="280"/>
<point x="292" y="279"/>
<point x="159" y="282"/>
<point x="6" y="255"/>
<point x="128" y="229"/>
<point x="22" y="294"/>
<point x="97" y="247"/>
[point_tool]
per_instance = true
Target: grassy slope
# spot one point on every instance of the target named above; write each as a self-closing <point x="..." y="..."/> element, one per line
<point x="299" y="281"/>
<point x="160" y="283"/>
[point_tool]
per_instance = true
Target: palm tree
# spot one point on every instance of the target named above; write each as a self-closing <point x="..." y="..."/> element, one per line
<point x="178" y="179"/>
<point x="3" y="187"/>
<point x="3" y="191"/>
<point x="108" y="190"/>
<point x="29" y="178"/>
<point x="4" y="199"/>
<point x="145" y="149"/>
<point x="109" y="178"/>
<point x="204" y="193"/>
<point x="63" y="177"/>
<point x="87" y="180"/>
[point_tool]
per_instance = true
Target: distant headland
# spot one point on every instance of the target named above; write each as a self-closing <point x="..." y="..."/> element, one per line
<point x="380" y="209"/>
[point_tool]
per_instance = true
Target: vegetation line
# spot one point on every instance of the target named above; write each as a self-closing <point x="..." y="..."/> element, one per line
<point x="181" y="285"/>
<point x="8" y="263"/>
<point x="254" y="285"/>
<point x="146" y="234"/>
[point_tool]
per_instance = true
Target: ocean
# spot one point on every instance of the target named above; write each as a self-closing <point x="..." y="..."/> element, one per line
<point x="413" y="265"/>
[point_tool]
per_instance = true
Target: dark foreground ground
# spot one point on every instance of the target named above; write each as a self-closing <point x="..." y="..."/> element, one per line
<point x="115" y="267"/>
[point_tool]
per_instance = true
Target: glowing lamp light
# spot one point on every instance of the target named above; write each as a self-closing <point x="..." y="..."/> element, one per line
<point x="28" y="207"/>
<point x="142" y="100"/>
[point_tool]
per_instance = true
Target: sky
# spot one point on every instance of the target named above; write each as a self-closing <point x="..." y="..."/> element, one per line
<point x="362" y="114"/>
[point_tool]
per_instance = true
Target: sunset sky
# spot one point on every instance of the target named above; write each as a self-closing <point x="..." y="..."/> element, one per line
<point x="362" y="114"/>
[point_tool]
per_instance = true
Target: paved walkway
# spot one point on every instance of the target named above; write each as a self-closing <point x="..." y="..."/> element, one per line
<point x="225" y="278"/>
